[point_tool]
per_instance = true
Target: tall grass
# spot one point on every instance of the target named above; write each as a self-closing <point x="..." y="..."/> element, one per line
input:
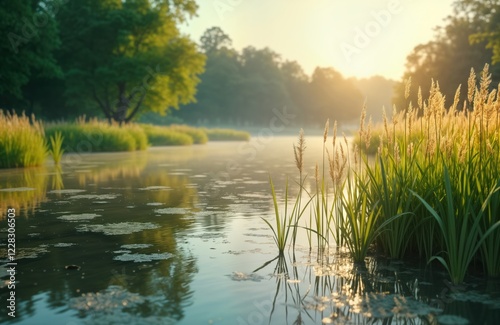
<point x="56" y="149"/>
<point x="98" y="136"/>
<point x="284" y="221"/>
<point x="22" y="142"/>
<point x="226" y="135"/>
<point x="198" y="135"/>
<point x="429" y="188"/>
<point x="164" y="136"/>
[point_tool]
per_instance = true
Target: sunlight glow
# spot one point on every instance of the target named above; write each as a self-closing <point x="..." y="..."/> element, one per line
<point x="359" y="38"/>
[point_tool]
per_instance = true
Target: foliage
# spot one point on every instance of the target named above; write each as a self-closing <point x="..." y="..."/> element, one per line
<point x="96" y="136"/>
<point x="30" y="37"/>
<point x="244" y="88"/>
<point x="199" y="135"/>
<point x="226" y="135"/>
<point x="447" y="58"/>
<point x="164" y="136"/>
<point x="140" y="62"/>
<point x="431" y="189"/>
<point x="284" y="221"/>
<point x="22" y="142"/>
<point x="56" y="149"/>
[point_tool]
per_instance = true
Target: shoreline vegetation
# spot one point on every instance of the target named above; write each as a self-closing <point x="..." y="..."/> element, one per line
<point x="424" y="183"/>
<point x="27" y="142"/>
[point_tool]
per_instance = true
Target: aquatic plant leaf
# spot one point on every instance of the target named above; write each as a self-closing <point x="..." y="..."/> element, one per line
<point x="241" y="276"/>
<point x="122" y="228"/>
<point x="452" y="320"/>
<point x="79" y="217"/>
<point x="108" y="300"/>
<point x="141" y="258"/>
<point x="172" y="211"/>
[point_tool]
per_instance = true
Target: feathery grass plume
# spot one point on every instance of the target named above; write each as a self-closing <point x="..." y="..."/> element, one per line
<point x="420" y="102"/>
<point x="299" y="162"/>
<point x="299" y="152"/>
<point x="368" y="134"/>
<point x="407" y="87"/>
<point x="471" y="86"/>
<point x="22" y="141"/>
<point x="485" y="82"/>
<point x="456" y="99"/>
<point x="386" y="126"/>
<point x="325" y="132"/>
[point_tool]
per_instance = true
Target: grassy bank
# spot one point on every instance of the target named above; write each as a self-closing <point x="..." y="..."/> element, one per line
<point x="226" y="135"/>
<point x="22" y="141"/>
<point x="98" y="136"/>
<point x="430" y="188"/>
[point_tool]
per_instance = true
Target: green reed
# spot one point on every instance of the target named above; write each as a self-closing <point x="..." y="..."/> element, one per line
<point x="285" y="221"/>
<point x="460" y="228"/>
<point x="429" y="188"/>
<point x="22" y="142"/>
<point x="56" y="150"/>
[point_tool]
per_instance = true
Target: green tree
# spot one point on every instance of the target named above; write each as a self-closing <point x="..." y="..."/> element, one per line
<point x="447" y="59"/>
<point x="214" y="39"/>
<point x="128" y="57"/>
<point x="333" y="97"/>
<point x="488" y="14"/>
<point x="219" y="83"/>
<point x="30" y="37"/>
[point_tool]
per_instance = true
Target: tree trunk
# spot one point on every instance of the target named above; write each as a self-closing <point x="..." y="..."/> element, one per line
<point x="120" y="115"/>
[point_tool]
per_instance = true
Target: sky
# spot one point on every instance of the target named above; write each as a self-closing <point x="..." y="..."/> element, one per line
<point x="359" y="38"/>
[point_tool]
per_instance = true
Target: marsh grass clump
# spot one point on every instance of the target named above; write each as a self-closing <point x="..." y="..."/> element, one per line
<point x="56" y="150"/>
<point x="22" y="141"/>
<point x="226" y="135"/>
<point x="98" y="136"/>
<point x="164" y="136"/>
<point x="198" y="135"/>
<point x="430" y="187"/>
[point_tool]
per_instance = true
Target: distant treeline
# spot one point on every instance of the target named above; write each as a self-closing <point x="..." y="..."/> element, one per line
<point x="246" y="88"/>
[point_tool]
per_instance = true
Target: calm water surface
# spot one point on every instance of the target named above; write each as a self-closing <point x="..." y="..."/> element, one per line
<point x="174" y="235"/>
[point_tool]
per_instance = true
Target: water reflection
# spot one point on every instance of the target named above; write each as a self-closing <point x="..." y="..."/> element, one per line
<point x="92" y="216"/>
<point x="330" y="289"/>
<point x="160" y="238"/>
<point x="23" y="189"/>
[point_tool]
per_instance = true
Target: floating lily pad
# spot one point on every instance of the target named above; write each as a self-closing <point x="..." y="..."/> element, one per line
<point x="474" y="296"/>
<point x="106" y="301"/>
<point x="452" y="320"/>
<point x="136" y="246"/>
<point x="67" y="191"/>
<point x="380" y="305"/>
<point x="79" y="217"/>
<point x="122" y="228"/>
<point x="171" y="211"/>
<point x="140" y="258"/>
<point x="241" y="276"/>
<point x="95" y="196"/>
<point x="154" y="204"/>
<point x="155" y="188"/>
<point x="64" y="244"/>
<point x="32" y="252"/>
<point x="17" y="189"/>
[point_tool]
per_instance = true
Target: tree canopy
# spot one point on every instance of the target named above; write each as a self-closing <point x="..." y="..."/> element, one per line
<point x="456" y="48"/>
<point x="244" y="88"/>
<point x="117" y="57"/>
